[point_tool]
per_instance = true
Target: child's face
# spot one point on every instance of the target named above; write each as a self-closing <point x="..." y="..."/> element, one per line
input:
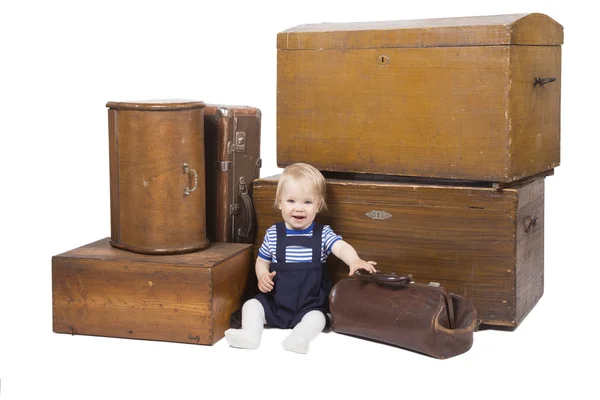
<point x="299" y="203"/>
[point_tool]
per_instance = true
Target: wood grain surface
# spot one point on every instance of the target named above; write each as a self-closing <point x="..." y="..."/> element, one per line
<point x="188" y="298"/>
<point x="149" y="145"/>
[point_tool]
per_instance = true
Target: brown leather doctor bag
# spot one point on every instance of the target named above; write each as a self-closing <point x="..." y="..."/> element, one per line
<point x="394" y="310"/>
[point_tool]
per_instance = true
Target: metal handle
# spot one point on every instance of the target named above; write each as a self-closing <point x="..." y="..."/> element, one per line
<point x="187" y="170"/>
<point x="529" y="222"/>
<point x="542" y="81"/>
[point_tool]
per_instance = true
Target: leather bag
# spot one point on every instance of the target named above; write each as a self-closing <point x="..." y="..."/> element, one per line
<point x="395" y="310"/>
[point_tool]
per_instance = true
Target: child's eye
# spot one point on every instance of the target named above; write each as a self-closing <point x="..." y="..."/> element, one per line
<point x="308" y="202"/>
<point x="290" y="201"/>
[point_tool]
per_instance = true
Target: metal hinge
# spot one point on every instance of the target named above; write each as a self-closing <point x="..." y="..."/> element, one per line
<point x="230" y="148"/>
<point x="223" y="166"/>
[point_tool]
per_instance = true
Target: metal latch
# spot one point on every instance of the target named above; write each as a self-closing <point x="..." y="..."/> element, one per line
<point x="242" y="187"/>
<point x="434" y="284"/>
<point x="240" y="141"/>
<point x="235" y="209"/>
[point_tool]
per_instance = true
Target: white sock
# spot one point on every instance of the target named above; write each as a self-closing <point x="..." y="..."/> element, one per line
<point x="253" y="320"/>
<point x="311" y="325"/>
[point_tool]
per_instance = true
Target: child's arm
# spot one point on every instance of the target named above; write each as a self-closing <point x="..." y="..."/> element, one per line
<point x="265" y="277"/>
<point x="347" y="254"/>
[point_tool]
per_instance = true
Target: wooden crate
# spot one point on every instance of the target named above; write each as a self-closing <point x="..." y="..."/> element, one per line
<point x="188" y="298"/>
<point x="456" y="98"/>
<point x="481" y="243"/>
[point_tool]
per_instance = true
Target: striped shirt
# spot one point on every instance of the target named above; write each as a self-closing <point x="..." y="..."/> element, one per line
<point x="297" y="254"/>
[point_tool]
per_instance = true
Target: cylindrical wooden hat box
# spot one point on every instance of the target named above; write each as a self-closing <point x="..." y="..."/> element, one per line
<point x="157" y="181"/>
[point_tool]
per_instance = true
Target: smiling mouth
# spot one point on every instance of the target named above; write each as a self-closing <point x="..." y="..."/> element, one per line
<point x="298" y="218"/>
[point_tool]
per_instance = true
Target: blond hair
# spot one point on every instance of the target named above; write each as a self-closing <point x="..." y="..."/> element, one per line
<point x="306" y="172"/>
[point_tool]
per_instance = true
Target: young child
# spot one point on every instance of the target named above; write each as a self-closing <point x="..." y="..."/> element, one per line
<point x="291" y="276"/>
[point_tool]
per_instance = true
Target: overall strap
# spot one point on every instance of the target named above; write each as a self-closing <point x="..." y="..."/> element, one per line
<point x="316" y="242"/>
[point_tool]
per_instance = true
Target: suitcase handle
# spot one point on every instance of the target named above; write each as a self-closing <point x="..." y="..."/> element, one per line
<point x="386" y="278"/>
<point x="246" y="232"/>
<point x="187" y="170"/>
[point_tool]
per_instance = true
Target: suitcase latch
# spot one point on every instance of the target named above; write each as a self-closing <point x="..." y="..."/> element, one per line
<point x="240" y="142"/>
<point x="242" y="187"/>
<point x="235" y="209"/>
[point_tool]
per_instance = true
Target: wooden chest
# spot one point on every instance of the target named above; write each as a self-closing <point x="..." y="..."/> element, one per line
<point x="474" y="98"/>
<point x="157" y="178"/>
<point x="484" y="244"/>
<point x="188" y="298"/>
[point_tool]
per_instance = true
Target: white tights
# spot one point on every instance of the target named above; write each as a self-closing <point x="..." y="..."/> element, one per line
<point x="253" y="320"/>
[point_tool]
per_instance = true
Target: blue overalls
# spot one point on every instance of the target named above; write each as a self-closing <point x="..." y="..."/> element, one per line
<point x="298" y="287"/>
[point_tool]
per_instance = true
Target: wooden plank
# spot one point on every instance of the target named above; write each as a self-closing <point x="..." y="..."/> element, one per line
<point x="530" y="249"/>
<point x="537" y="29"/>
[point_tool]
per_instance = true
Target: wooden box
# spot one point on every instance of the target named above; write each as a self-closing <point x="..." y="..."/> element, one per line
<point x="157" y="178"/>
<point x="232" y="160"/>
<point x="474" y="98"/>
<point x="478" y="242"/>
<point x="188" y="298"/>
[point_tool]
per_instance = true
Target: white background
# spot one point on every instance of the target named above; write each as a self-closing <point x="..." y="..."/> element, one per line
<point x="62" y="61"/>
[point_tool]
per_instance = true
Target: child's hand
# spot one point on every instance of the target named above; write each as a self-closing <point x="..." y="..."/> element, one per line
<point x="265" y="282"/>
<point x="361" y="264"/>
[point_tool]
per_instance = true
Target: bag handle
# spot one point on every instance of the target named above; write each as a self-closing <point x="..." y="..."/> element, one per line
<point x="385" y="278"/>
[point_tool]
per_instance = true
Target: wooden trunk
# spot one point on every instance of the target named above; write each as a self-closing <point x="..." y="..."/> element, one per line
<point x="457" y="98"/>
<point x="232" y="155"/>
<point x="188" y="298"/>
<point x="157" y="181"/>
<point x="484" y="244"/>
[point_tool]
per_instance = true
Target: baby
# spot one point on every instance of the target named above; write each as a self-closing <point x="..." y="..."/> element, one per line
<point x="293" y="282"/>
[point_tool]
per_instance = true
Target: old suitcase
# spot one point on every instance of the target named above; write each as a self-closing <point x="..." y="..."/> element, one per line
<point x="484" y="244"/>
<point x="474" y="98"/>
<point x="157" y="176"/>
<point x="189" y="298"/>
<point x="232" y="156"/>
